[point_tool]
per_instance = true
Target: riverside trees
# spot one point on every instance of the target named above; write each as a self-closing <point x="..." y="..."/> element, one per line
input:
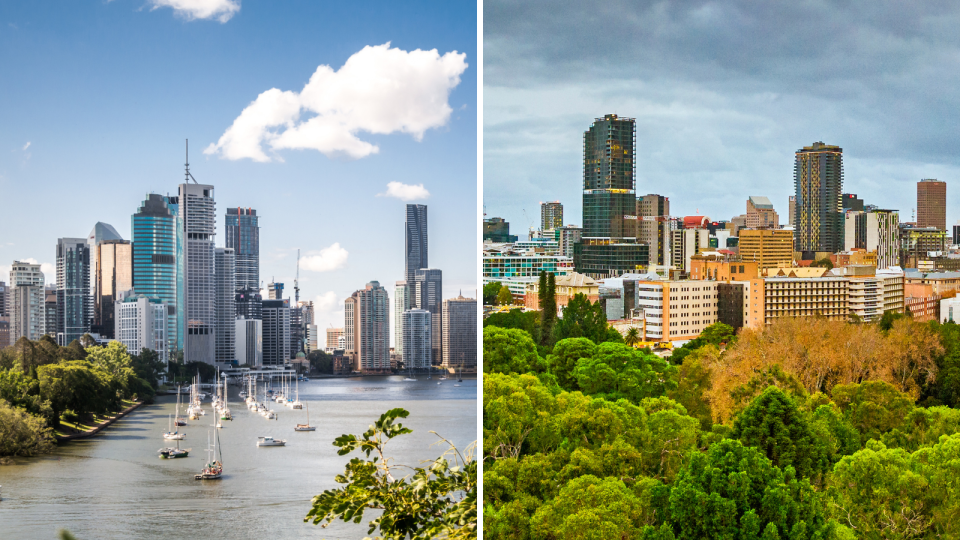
<point x="807" y="429"/>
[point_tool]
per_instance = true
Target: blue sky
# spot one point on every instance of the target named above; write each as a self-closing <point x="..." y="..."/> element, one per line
<point x="98" y="98"/>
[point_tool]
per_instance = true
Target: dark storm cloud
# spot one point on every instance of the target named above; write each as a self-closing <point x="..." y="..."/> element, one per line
<point x="723" y="93"/>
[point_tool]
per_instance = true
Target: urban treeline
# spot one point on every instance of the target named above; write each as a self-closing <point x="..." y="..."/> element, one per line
<point x="46" y="389"/>
<point x="803" y="429"/>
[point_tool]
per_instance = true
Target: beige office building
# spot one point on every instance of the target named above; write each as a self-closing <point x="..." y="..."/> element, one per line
<point x="767" y="247"/>
<point x="334" y="337"/>
<point x="675" y="310"/>
<point x="760" y="214"/>
<point x="27" y="307"/>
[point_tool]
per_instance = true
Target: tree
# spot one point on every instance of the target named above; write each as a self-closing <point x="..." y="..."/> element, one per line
<point x="694" y="381"/>
<point x="632" y="337"/>
<point x="590" y="508"/>
<point x="23" y="434"/>
<point x="112" y="358"/>
<point x="320" y="361"/>
<point x="823" y="263"/>
<point x="581" y="318"/>
<point x="148" y="366"/>
<point x="616" y="371"/>
<point x="774" y="424"/>
<point x="563" y="360"/>
<point x="733" y="491"/>
<point x="505" y="297"/>
<point x="438" y="501"/>
<point x="548" y="310"/>
<point x="490" y="291"/>
<point x="528" y="321"/>
<point x="873" y="407"/>
<point x="508" y="351"/>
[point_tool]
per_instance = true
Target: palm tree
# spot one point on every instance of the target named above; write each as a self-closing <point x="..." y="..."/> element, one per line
<point x="632" y="337"/>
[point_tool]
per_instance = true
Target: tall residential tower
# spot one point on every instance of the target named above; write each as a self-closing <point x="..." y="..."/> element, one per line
<point x="74" y="301"/>
<point x="818" y="181"/>
<point x="932" y="204"/>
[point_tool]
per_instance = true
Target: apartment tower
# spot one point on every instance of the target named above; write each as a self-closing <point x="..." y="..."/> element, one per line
<point x="367" y="328"/>
<point x="226" y="279"/>
<point x="460" y="333"/>
<point x="551" y="215"/>
<point x="818" y="181"/>
<point x="26" y="302"/>
<point x="113" y="275"/>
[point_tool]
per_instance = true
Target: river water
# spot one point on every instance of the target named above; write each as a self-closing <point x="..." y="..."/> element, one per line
<point x="114" y="486"/>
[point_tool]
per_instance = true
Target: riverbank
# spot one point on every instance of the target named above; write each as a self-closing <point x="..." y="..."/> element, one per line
<point x="98" y="427"/>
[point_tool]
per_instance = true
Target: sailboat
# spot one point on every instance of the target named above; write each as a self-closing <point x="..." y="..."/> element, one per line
<point x="296" y="404"/>
<point x="213" y="470"/>
<point x="410" y="376"/>
<point x="172" y="453"/>
<point x="172" y="435"/>
<point x="225" y="410"/>
<point x="459" y="375"/>
<point x="179" y="420"/>
<point x="307" y="426"/>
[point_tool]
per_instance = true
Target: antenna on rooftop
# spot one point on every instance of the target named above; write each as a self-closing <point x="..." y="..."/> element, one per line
<point x="188" y="176"/>
<point x="296" y="281"/>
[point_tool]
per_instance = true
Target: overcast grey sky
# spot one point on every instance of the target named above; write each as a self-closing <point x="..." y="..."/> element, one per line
<point x="724" y="93"/>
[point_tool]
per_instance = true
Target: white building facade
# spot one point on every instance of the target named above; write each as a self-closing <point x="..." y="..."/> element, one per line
<point x="418" y="338"/>
<point x="141" y="323"/>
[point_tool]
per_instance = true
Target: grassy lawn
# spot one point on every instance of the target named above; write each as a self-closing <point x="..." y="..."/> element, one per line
<point x="72" y="428"/>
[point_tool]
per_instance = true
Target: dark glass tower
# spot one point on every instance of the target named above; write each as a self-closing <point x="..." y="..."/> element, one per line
<point x="609" y="245"/>
<point x="243" y="235"/>
<point x="818" y="181"/>
<point x="157" y="248"/>
<point x="426" y="292"/>
<point x="608" y="179"/>
<point x="74" y="302"/>
<point x="416" y="240"/>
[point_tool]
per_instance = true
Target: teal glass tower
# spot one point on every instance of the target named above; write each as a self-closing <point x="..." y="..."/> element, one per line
<point x="157" y="252"/>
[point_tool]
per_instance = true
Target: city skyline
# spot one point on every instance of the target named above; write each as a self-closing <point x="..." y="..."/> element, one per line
<point x="723" y="95"/>
<point x="99" y="140"/>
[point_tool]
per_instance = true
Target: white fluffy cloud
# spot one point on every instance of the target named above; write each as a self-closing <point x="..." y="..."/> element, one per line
<point x="326" y="301"/>
<point x="222" y="10"/>
<point x="405" y="192"/>
<point x="26" y="146"/>
<point x="328" y="258"/>
<point x="378" y="90"/>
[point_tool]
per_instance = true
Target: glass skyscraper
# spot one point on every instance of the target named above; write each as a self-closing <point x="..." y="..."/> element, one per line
<point x="415" y="241"/>
<point x="74" y="301"/>
<point x="426" y="292"/>
<point x="157" y="250"/>
<point x="608" y="245"/>
<point x="242" y="232"/>
<point x="818" y="180"/>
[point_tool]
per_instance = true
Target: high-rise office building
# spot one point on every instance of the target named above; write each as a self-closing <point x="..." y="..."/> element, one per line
<point x="427" y="293"/>
<point x="932" y="204"/>
<point x="850" y="201"/>
<point x="792" y="211"/>
<point x="760" y="214"/>
<point x="496" y="229"/>
<point x="551" y="215"/>
<point x="653" y="214"/>
<point x="243" y="235"/>
<point x="460" y="333"/>
<point x="74" y="302"/>
<point x="27" y="301"/>
<point x="567" y="237"/>
<point x="367" y="328"/>
<point x="416" y="325"/>
<point x="249" y="304"/>
<point x="308" y="324"/>
<point x="296" y="331"/>
<point x="141" y="323"/>
<point x="416" y="241"/>
<point x="101" y="232"/>
<point x="275" y="291"/>
<point x="113" y="275"/>
<point x="876" y="230"/>
<point x="157" y="237"/>
<point x="609" y="245"/>
<point x="818" y="181"/>
<point x="226" y="279"/>
<point x="4" y="292"/>
<point x="198" y="211"/>
<point x="276" y="332"/>
<point x="401" y="301"/>
<point x="249" y="341"/>
<point x="768" y="248"/>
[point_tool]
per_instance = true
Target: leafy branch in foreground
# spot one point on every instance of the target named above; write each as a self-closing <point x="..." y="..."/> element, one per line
<point x="436" y="501"/>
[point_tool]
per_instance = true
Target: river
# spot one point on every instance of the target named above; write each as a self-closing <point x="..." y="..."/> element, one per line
<point x="114" y="486"/>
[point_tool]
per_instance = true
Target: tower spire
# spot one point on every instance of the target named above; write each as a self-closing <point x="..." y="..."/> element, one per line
<point x="188" y="176"/>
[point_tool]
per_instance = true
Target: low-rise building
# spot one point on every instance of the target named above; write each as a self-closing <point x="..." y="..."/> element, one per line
<point x="675" y="310"/>
<point x="141" y="323"/>
<point x="517" y="269"/>
<point x="941" y="282"/>
<point x="774" y="297"/>
<point x="950" y="310"/>
<point x="718" y="268"/>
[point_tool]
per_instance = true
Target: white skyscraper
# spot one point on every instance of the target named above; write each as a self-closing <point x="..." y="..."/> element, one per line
<point x="226" y="304"/>
<point x="401" y="303"/>
<point x="199" y="212"/>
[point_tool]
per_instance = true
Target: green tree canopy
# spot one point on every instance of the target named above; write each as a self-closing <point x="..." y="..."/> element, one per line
<point x="616" y="370"/>
<point x="148" y="366"/>
<point x="505" y="297"/>
<point x="507" y="350"/>
<point x="23" y="434"/>
<point x="563" y="360"/>
<point x="581" y="318"/>
<point x="490" y="291"/>
<point x="590" y="508"/>
<point x="774" y="424"/>
<point x="872" y="407"/>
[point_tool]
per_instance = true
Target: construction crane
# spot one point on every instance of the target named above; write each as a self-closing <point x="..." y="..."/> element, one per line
<point x="296" y="281"/>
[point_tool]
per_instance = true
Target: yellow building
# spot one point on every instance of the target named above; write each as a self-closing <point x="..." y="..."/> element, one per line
<point x="771" y="298"/>
<point x="713" y="268"/>
<point x="767" y="247"/>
